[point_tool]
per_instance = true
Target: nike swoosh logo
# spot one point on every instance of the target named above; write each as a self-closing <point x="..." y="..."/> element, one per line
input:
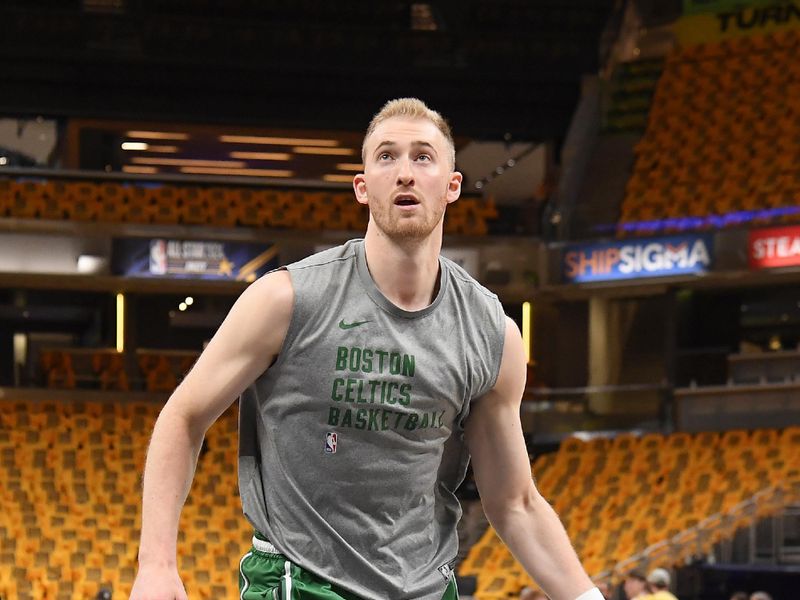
<point x="343" y="325"/>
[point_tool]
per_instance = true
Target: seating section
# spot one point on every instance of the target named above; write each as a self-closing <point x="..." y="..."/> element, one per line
<point x="106" y="369"/>
<point x="723" y="139"/>
<point x="618" y="497"/>
<point x="224" y="207"/>
<point x="71" y="499"/>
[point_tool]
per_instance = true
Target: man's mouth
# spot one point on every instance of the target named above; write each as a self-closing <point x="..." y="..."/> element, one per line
<point x="405" y="200"/>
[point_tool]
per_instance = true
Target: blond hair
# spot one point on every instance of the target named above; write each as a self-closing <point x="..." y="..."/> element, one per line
<point x="411" y="108"/>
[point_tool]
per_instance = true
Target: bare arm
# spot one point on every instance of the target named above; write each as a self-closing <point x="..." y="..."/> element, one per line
<point x="242" y="349"/>
<point x="523" y="519"/>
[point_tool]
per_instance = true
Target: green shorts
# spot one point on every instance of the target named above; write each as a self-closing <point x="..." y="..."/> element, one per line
<point x="267" y="575"/>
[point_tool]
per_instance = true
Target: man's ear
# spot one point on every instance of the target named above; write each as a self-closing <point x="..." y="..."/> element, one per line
<point x="454" y="186"/>
<point x="360" y="188"/>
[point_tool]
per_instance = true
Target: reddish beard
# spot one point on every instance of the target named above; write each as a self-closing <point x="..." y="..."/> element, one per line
<point x="399" y="226"/>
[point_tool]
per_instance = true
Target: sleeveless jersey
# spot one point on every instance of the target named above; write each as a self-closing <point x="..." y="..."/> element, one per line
<point x="352" y="442"/>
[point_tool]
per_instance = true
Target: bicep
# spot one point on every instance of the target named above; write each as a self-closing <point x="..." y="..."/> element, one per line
<point x="494" y="431"/>
<point x="243" y="347"/>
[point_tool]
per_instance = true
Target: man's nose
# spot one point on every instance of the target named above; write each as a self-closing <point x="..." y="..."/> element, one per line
<point x="405" y="175"/>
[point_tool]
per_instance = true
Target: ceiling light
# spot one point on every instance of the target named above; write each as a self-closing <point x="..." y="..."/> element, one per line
<point x="262" y="155"/>
<point x="317" y="150"/>
<point x="241" y="172"/>
<point x="164" y="149"/>
<point x="135" y="145"/>
<point x="157" y="135"/>
<point x="182" y="306"/>
<point x="338" y="177"/>
<point x="3" y="160"/>
<point x="358" y="167"/>
<point x="276" y="141"/>
<point x="139" y="170"/>
<point x="186" y="162"/>
<point x="189" y="300"/>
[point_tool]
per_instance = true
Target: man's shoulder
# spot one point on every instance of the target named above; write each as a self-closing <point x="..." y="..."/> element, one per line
<point x="463" y="280"/>
<point x="327" y="257"/>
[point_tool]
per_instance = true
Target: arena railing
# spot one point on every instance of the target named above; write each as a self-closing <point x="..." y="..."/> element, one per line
<point x="698" y="541"/>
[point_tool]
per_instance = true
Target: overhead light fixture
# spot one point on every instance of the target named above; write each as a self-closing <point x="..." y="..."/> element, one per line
<point x="357" y="167"/>
<point x="189" y="300"/>
<point x="157" y="135"/>
<point x="182" y="306"/>
<point x="323" y="151"/>
<point x="276" y="141"/>
<point x="135" y="145"/>
<point x="338" y="177"/>
<point x="187" y="162"/>
<point x="163" y="149"/>
<point x="261" y="155"/>
<point x="527" y="327"/>
<point x="120" y="322"/>
<point x="241" y="172"/>
<point x="139" y="170"/>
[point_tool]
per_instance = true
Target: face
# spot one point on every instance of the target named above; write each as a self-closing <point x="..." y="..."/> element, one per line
<point x="633" y="587"/>
<point x="408" y="179"/>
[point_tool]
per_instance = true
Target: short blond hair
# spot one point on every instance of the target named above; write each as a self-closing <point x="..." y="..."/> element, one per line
<point x="411" y="108"/>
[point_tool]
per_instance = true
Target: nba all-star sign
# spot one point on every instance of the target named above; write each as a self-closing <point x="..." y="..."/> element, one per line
<point x="192" y="259"/>
<point x="774" y="247"/>
<point x="634" y="259"/>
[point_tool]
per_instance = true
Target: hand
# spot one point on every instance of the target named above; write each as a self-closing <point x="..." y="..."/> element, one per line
<point x="154" y="582"/>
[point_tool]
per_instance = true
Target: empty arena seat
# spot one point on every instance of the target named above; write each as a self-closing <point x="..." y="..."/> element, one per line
<point x="617" y="497"/>
<point x="721" y="134"/>
<point x="78" y="463"/>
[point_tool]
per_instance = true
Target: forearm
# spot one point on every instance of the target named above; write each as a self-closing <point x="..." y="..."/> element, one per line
<point x="533" y="532"/>
<point x="169" y="470"/>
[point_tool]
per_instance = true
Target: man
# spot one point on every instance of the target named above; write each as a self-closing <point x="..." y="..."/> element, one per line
<point x="368" y="374"/>
<point x="659" y="580"/>
<point x="635" y="586"/>
<point x="605" y="589"/>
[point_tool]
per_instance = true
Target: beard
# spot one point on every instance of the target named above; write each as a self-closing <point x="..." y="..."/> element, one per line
<point x="398" y="226"/>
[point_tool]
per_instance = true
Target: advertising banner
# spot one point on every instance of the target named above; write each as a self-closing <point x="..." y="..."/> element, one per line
<point x="634" y="259"/>
<point x="737" y="21"/>
<point x="774" y="247"/>
<point x="192" y="259"/>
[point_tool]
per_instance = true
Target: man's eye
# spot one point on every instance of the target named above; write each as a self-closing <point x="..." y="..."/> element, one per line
<point x="384" y="156"/>
<point x="424" y="157"/>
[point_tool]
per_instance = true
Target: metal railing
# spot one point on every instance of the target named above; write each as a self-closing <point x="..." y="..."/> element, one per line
<point x="700" y="539"/>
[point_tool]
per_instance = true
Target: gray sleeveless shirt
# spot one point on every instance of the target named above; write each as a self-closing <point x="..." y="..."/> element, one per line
<point x="352" y="443"/>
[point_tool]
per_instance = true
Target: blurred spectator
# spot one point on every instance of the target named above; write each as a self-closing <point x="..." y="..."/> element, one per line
<point x="659" y="580"/>
<point x="635" y="585"/>
<point x="760" y="596"/>
<point x="605" y="589"/>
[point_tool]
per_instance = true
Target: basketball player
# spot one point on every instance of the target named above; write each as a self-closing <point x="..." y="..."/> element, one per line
<point x="368" y="374"/>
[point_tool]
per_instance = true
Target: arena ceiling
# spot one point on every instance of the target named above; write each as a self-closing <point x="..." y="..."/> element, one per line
<point x="497" y="68"/>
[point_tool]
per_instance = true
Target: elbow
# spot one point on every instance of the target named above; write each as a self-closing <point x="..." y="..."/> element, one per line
<point x="178" y="421"/>
<point x="507" y="508"/>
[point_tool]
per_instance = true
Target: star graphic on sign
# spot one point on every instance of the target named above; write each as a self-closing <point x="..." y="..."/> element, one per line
<point x="225" y="267"/>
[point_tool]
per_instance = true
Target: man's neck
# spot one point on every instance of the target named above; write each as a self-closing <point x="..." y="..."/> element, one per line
<point x="408" y="273"/>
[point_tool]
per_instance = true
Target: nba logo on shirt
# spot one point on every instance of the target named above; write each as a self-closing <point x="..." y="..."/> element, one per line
<point x="330" y="442"/>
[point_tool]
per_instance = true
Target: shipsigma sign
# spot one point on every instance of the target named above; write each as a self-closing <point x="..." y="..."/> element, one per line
<point x="678" y="255"/>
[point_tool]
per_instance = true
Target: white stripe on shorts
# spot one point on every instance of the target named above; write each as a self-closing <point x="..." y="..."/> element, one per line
<point x="288" y="580"/>
<point x="246" y="583"/>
